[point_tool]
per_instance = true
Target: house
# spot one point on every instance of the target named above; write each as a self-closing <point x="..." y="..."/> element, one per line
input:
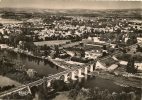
<point x="3" y="46"/>
<point x="113" y="66"/>
<point x="6" y="36"/>
<point x="139" y="39"/>
<point x="139" y="66"/>
<point x="113" y="45"/>
<point x="107" y="63"/>
<point x="126" y="39"/>
<point x="92" y="55"/>
<point x="2" y="31"/>
<point x="99" y="65"/>
<point x="123" y="62"/>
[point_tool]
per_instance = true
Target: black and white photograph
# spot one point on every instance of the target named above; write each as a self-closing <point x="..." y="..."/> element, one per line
<point x="70" y="50"/>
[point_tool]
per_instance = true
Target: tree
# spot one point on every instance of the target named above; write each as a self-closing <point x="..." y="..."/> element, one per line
<point x="57" y="49"/>
<point x="70" y="85"/>
<point x="28" y="97"/>
<point x="83" y="53"/>
<point x="133" y="96"/>
<point x="138" y="48"/>
<point x="123" y="95"/>
<point x="73" y="94"/>
<point x="16" y="41"/>
<point x="91" y="93"/>
<point x="45" y="85"/>
<point x="45" y="53"/>
<point x="77" y="87"/>
<point x="130" y="66"/>
<point x="115" y="96"/>
<point x="59" y="85"/>
<point x="104" y="47"/>
<point x="45" y="46"/>
<point x="41" y="94"/>
<point x="104" y="54"/>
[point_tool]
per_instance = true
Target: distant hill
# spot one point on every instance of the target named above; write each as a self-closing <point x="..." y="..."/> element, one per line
<point x="134" y="13"/>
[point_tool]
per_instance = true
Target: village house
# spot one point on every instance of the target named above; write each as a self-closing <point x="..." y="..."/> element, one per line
<point x="107" y="63"/>
<point x="3" y="46"/>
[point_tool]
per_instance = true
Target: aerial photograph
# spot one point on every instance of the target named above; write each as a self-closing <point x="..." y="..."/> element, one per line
<point x="70" y="50"/>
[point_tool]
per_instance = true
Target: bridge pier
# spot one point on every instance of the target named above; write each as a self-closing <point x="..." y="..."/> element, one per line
<point x="65" y="77"/>
<point x="91" y="68"/>
<point x="29" y="90"/>
<point x="79" y="79"/>
<point x="48" y="83"/>
<point x="79" y="73"/>
<point x="86" y="71"/>
<point x="73" y="76"/>
<point x="86" y="78"/>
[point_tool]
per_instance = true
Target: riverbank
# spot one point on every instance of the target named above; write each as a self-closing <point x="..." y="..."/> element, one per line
<point x="5" y="81"/>
<point x="119" y="79"/>
<point x="62" y="96"/>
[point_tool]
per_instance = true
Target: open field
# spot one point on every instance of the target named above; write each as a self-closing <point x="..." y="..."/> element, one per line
<point x="57" y="42"/>
<point x="9" y="21"/>
<point x="49" y="43"/>
<point x="4" y="81"/>
<point x="76" y="43"/>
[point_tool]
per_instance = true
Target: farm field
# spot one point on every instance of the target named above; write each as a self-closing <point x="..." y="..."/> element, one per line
<point x="49" y="43"/>
<point x="4" y="81"/>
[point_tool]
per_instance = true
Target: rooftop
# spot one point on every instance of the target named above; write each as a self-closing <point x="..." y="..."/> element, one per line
<point x="108" y="61"/>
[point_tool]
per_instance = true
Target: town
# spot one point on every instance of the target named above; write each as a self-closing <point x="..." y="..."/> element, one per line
<point x="47" y="55"/>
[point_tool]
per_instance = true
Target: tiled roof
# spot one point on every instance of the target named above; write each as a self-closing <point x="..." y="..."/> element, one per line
<point x="108" y="61"/>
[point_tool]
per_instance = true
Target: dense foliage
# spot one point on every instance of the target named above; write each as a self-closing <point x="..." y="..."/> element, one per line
<point x="16" y="72"/>
<point x="130" y="68"/>
<point x="5" y="88"/>
<point x="97" y="94"/>
<point x="80" y="59"/>
<point x="17" y="16"/>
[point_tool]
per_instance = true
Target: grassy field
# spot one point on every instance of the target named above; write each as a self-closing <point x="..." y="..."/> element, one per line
<point x="5" y="21"/>
<point x="76" y="43"/>
<point x="4" y="81"/>
<point x="49" y="43"/>
<point x="56" y="42"/>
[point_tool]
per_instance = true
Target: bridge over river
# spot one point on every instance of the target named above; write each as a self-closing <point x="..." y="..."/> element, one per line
<point x="70" y="73"/>
<point x="76" y="71"/>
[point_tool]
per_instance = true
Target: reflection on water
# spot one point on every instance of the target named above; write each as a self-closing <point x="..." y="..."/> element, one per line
<point x="86" y="78"/>
<point x="88" y="81"/>
<point x="41" y="66"/>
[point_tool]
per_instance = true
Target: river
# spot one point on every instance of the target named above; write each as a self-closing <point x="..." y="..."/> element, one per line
<point x="45" y="68"/>
<point x="42" y="67"/>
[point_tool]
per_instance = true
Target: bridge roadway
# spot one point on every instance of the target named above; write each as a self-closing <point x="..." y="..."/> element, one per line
<point x="55" y="75"/>
<point x="40" y="81"/>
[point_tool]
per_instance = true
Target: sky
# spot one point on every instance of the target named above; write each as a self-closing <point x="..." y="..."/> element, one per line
<point x="70" y="4"/>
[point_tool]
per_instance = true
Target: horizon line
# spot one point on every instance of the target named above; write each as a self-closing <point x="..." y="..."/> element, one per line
<point x="70" y="8"/>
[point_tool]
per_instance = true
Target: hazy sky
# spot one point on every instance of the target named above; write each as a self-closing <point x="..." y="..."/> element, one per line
<point x="71" y="4"/>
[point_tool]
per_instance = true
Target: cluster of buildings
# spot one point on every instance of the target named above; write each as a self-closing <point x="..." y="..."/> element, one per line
<point x="72" y="28"/>
<point x="62" y="29"/>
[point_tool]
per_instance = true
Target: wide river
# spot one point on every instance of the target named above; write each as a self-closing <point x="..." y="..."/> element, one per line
<point x="45" y="68"/>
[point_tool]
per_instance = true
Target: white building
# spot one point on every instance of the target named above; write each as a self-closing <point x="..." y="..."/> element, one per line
<point x="92" y="55"/>
<point x="104" y="64"/>
<point x="99" y="65"/>
<point x="2" y="31"/>
<point x="3" y="46"/>
<point x="139" y="39"/>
